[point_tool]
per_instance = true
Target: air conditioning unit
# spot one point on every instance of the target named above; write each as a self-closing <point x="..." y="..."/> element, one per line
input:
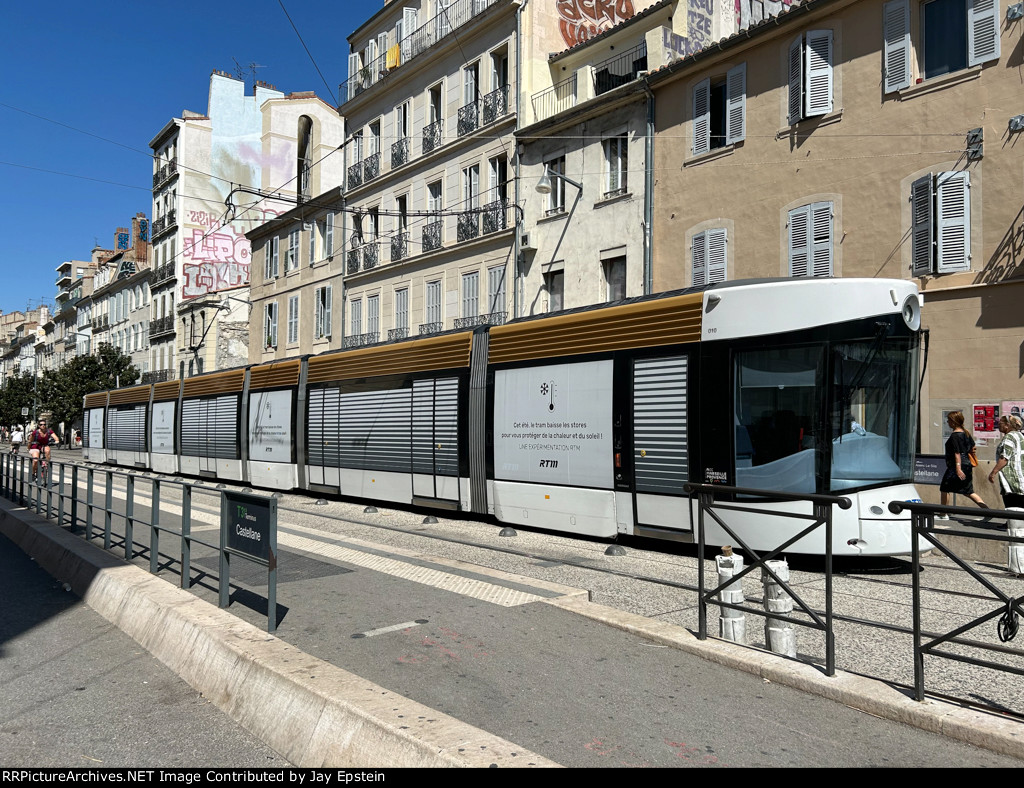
<point x="525" y="245"/>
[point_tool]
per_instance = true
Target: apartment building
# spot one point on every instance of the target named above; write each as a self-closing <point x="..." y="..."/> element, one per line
<point x="74" y="283"/>
<point x="861" y="138"/>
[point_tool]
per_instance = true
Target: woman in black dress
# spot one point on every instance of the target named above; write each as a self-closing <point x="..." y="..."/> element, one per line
<point x="957" y="478"/>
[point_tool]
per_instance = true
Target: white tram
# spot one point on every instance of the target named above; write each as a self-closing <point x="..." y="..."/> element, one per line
<point x="588" y="421"/>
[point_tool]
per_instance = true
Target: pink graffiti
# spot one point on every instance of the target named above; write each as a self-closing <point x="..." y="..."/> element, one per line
<point x="581" y="20"/>
<point x="218" y="247"/>
<point x="206" y="278"/>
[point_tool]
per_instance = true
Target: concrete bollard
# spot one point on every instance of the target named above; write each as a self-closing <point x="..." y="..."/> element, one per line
<point x="732" y="624"/>
<point x="1015" y="528"/>
<point x="778" y="635"/>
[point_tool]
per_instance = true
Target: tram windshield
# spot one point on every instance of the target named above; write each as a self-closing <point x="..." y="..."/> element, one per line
<point x="784" y="435"/>
<point x="874" y="407"/>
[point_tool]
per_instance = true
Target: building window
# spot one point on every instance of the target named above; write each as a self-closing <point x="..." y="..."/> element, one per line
<point x="616" y="165"/>
<point x="402" y="309"/>
<point x="271" y="249"/>
<point x="433" y="315"/>
<point x="329" y="235"/>
<point x="556" y="197"/>
<point x="373" y="315"/>
<point x="312" y="243"/>
<point x="496" y="290"/>
<point x="293" y="319"/>
<point x="291" y="258"/>
<point x="554" y="283"/>
<point x="810" y="240"/>
<point x="941" y="232"/>
<point x="471" y="294"/>
<point x="810" y="75"/>
<point x="322" y="327"/>
<point x="356" y="308"/>
<point x="615" y="278"/>
<point x="270" y="324"/>
<point x="719" y="111"/>
<point x="708" y="255"/>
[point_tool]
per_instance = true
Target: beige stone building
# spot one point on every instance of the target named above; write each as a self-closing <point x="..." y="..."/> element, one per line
<point x="861" y="138"/>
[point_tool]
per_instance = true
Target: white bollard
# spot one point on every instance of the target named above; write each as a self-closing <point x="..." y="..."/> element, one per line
<point x="732" y="624"/>
<point x="1015" y="528"/>
<point x="778" y="635"/>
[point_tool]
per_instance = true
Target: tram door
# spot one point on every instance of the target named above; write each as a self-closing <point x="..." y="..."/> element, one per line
<point x="435" y="439"/>
<point x="660" y="441"/>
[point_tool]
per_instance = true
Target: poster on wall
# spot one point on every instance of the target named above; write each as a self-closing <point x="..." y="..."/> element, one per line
<point x="270" y="426"/>
<point x="986" y="423"/>
<point x="1012" y="408"/>
<point x="554" y="424"/>
<point x="161" y="432"/>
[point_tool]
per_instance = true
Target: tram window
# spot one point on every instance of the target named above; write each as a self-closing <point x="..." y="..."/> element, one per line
<point x="872" y="424"/>
<point x="776" y="418"/>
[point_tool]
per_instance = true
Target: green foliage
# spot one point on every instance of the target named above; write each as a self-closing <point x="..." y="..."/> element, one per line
<point x="61" y="391"/>
<point x="17" y="394"/>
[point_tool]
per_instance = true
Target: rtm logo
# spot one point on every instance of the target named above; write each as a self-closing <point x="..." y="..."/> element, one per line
<point x="549" y="463"/>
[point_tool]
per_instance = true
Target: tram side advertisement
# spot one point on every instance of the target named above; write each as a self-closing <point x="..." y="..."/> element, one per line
<point x="553" y="424"/>
<point x="162" y="428"/>
<point x="270" y="426"/>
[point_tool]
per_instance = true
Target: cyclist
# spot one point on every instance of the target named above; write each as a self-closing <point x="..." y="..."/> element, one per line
<point x="17" y="438"/>
<point x="39" y="441"/>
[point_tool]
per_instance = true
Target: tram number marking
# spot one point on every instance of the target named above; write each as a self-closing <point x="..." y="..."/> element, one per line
<point x="549" y="463"/>
<point x="712" y="331"/>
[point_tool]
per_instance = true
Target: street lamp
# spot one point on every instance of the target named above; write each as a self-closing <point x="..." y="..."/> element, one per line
<point x="544" y="186"/>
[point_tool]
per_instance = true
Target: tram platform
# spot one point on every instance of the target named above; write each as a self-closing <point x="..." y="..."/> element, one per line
<point x="387" y="656"/>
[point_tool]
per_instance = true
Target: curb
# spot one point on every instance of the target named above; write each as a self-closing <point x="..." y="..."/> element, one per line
<point x="311" y="712"/>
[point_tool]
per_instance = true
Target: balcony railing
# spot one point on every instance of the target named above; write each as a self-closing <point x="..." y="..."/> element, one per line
<point x="555" y="99"/>
<point x="355" y="175"/>
<point x="162" y="325"/>
<point x="159" y="376"/>
<point x="431" y="328"/>
<point x="469" y="225"/>
<point x="371" y="255"/>
<point x="399" y="153"/>
<point x="165" y="172"/>
<point x="618" y="70"/>
<point x="490" y="319"/>
<point x="162" y="274"/>
<point x="399" y="247"/>
<point x="358" y="340"/>
<point x="397" y="333"/>
<point x="165" y="222"/>
<point x="354" y="258"/>
<point x="469" y="119"/>
<point x="431" y="137"/>
<point x="495" y="104"/>
<point x="371" y="167"/>
<point x="425" y="36"/>
<point x="432" y="236"/>
<point x="495" y="216"/>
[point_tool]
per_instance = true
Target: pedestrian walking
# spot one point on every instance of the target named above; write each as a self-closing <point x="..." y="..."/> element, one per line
<point x="1010" y="462"/>
<point x="960" y="462"/>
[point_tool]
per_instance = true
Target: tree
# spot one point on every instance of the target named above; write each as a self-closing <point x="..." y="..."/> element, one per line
<point x="17" y="394"/>
<point x="61" y="391"/>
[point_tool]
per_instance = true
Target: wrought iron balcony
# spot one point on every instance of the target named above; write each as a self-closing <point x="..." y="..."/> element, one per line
<point x="489" y="319"/>
<point x="355" y="175"/>
<point x="371" y="167"/>
<point x="371" y="255"/>
<point x="162" y="325"/>
<point x="399" y="153"/>
<point x="399" y="247"/>
<point x="163" y="273"/>
<point x="159" y="376"/>
<point x="432" y="236"/>
<point x="431" y="328"/>
<point x="469" y="225"/>
<point x="495" y="216"/>
<point x="358" y="340"/>
<point x="354" y="258"/>
<point x="397" y="333"/>
<point x="469" y="118"/>
<point x="495" y="104"/>
<point x="431" y="137"/>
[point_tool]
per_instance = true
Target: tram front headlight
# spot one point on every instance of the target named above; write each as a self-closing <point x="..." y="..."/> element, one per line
<point x="912" y="312"/>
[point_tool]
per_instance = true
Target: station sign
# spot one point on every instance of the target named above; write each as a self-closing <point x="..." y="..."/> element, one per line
<point x="249" y="525"/>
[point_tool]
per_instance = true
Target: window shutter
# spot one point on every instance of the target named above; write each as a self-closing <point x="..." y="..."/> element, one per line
<point x="353" y="65"/>
<point x="953" y="209"/>
<point x="896" y="54"/>
<point x="318" y="316"/>
<point x="921" y="249"/>
<point x="275" y="251"/>
<point x="799" y="241"/>
<point x="736" y="104"/>
<point x="700" y="256"/>
<point x="795" y="80"/>
<point x="716" y="259"/>
<point x="702" y="117"/>
<point x="982" y="31"/>
<point x="329" y="236"/>
<point x="819" y="72"/>
<point x="327" y="311"/>
<point x="821" y="237"/>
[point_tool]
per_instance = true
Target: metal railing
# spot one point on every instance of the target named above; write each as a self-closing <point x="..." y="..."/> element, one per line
<point x="355" y="175"/>
<point x="397" y="333"/>
<point x="469" y="118"/>
<point x="495" y="104"/>
<point x="371" y="255"/>
<point x="158" y="376"/>
<point x="555" y="99"/>
<point x="371" y="167"/>
<point x="432" y="236"/>
<point x="618" y="70"/>
<point x="495" y="216"/>
<point x="399" y="153"/>
<point x="468" y="225"/>
<point x="353" y="257"/>
<point x="431" y="137"/>
<point x="431" y="328"/>
<point x="58" y="495"/>
<point x="162" y="325"/>
<point x="399" y="247"/>
<point x="488" y="319"/>
<point x="358" y="340"/>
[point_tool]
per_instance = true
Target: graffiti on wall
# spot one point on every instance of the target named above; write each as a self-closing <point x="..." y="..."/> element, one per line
<point x="581" y="20"/>
<point x="699" y="27"/>
<point x="215" y="257"/>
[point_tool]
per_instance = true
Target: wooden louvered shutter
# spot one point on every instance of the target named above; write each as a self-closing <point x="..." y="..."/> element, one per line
<point x="716" y="259"/>
<point x="700" y="256"/>
<point x="821" y="239"/>
<point x="736" y="104"/>
<point x="327" y="311"/>
<point x="896" y="26"/>
<point x="796" y="80"/>
<point x="982" y="31"/>
<point x="819" y="73"/>
<point x="702" y="117"/>
<point x="921" y="248"/>
<point x="953" y="211"/>
<point x="799" y="241"/>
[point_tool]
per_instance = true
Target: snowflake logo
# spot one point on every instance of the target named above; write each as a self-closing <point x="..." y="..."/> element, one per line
<point x="543" y="388"/>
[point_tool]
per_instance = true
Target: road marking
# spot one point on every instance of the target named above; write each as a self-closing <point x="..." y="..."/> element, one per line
<point x="385" y="630"/>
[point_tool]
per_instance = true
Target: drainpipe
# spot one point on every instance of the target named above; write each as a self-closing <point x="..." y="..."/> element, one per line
<point x="517" y="272"/>
<point x="649" y="192"/>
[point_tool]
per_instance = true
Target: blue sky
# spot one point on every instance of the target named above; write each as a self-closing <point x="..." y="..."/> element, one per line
<point x="85" y="87"/>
